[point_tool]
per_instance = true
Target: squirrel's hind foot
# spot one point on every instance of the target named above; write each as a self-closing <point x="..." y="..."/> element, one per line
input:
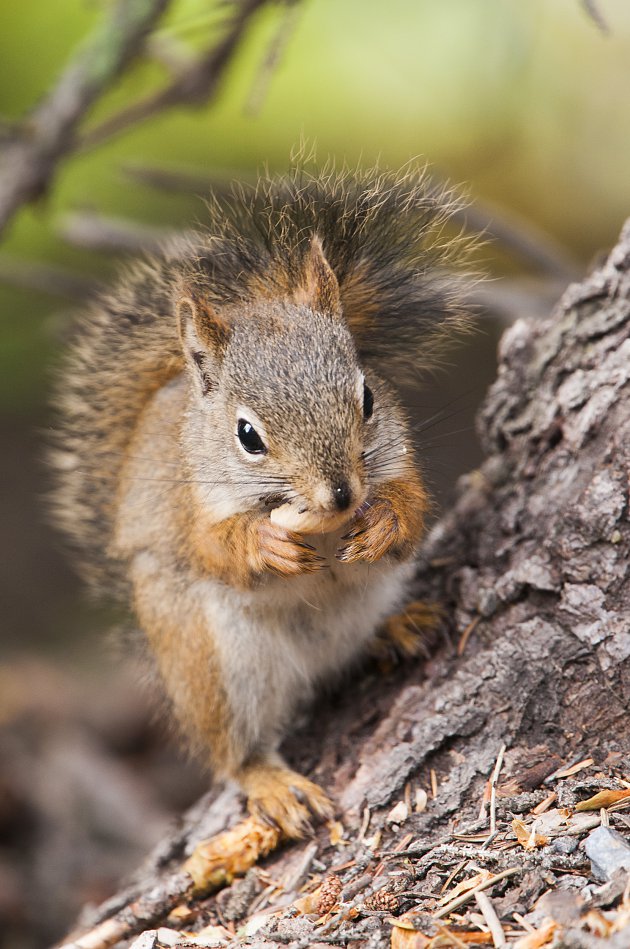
<point x="281" y="805"/>
<point x="408" y="634"/>
<point x="284" y="799"/>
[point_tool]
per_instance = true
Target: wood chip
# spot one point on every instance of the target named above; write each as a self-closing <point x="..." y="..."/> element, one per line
<point x="365" y="823"/>
<point x="493" y="790"/>
<point x="539" y="937"/>
<point x="181" y="914"/>
<point x="603" y="799"/>
<point x="570" y="771"/>
<point x="465" y="885"/>
<point x="546" y="804"/>
<point x="408" y="939"/>
<point x="209" y="936"/>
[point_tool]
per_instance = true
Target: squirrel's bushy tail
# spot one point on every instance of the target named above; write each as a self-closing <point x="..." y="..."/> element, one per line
<point x="389" y="238"/>
<point x="385" y="237"/>
<point x="124" y="348"/>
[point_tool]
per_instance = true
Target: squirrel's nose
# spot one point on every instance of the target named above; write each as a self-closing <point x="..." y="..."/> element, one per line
<point x="342" y="495"/>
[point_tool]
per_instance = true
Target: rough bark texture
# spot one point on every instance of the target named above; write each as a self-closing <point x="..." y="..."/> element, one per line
<point x="533" y="554"/>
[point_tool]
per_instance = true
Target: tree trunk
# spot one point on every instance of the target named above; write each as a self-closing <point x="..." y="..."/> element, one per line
<point x="530" y="567"/>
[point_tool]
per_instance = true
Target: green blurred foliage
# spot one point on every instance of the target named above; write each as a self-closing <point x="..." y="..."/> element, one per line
<point x="525" y="102"/>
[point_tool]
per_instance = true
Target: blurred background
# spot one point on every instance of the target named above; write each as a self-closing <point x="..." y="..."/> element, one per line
<point x="525" y="106"/>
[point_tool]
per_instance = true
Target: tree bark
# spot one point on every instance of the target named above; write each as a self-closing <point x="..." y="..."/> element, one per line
<point x="531" y="568"/>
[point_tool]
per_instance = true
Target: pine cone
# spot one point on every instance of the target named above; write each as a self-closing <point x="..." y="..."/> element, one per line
<point x="382" y="901"/>
<point x="329" y="894"/>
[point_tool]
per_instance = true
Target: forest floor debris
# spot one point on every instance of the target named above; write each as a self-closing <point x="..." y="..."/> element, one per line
<point x="547" y="865"/>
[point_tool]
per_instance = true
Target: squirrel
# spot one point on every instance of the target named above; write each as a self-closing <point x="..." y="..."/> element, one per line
<point x="232" y="460"/>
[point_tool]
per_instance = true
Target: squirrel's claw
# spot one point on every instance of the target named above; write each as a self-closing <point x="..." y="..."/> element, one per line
<point x="284" y="553"/>
<point x="372" y="535"/>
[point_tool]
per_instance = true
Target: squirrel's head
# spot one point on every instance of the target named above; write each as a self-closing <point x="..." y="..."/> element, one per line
<point x="282" y="415"/>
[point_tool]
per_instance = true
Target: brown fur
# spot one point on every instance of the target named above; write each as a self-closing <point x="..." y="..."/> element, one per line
<point x="188" y="665"/>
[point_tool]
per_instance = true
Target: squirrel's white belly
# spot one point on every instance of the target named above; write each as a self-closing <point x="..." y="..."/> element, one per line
<point x="276" y="644"/>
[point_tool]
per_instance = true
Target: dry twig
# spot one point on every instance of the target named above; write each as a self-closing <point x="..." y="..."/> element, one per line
<point x="30" y="155"/>
<point x="102" y="234"/>
<point x="273" y="56"/>
<point x="493" y="797"/>
<point x="196" y="85"/>
<point x="492" y="920"/>
<point x="465" y="897"/>
<point x="595" y="14"/>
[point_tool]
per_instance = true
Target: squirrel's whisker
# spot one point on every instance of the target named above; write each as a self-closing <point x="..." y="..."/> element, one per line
<point x="380" y="449"/>
<point x="390" y="450"/>
<point x="424" y="426"/>
<point x="201" y="481"/>
<point x="441" y="435"/>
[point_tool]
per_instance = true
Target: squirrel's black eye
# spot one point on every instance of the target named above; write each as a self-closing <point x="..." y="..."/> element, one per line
<point x="368" y="402"/>
<point x="249" y="438"/>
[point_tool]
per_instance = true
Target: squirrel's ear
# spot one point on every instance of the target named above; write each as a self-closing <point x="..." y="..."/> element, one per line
<point x="319" y="288"/>
<point x="203" y="335"/>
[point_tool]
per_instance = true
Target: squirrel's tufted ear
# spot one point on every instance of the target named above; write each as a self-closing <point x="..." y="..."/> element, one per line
<point x="318" y="288"/>
<point x="203" y="334"/>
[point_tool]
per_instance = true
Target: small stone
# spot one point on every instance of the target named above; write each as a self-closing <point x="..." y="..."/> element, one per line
<point x="145" y="940"/>
<point x="565" y="845"/>
<point x="398" y="814"/>
<point x="421" y="801"/>
<point x="608" y="851"/>
<point x="168" y="937"/>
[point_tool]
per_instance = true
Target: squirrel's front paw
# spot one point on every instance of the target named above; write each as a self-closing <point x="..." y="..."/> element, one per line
<point x="375" y="532"/>
<point x="283" y="552"/>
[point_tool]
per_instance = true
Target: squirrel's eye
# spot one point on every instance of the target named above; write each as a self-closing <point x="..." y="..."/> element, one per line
<point x="249" y="438"/>
<point x="368" y="402"/>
